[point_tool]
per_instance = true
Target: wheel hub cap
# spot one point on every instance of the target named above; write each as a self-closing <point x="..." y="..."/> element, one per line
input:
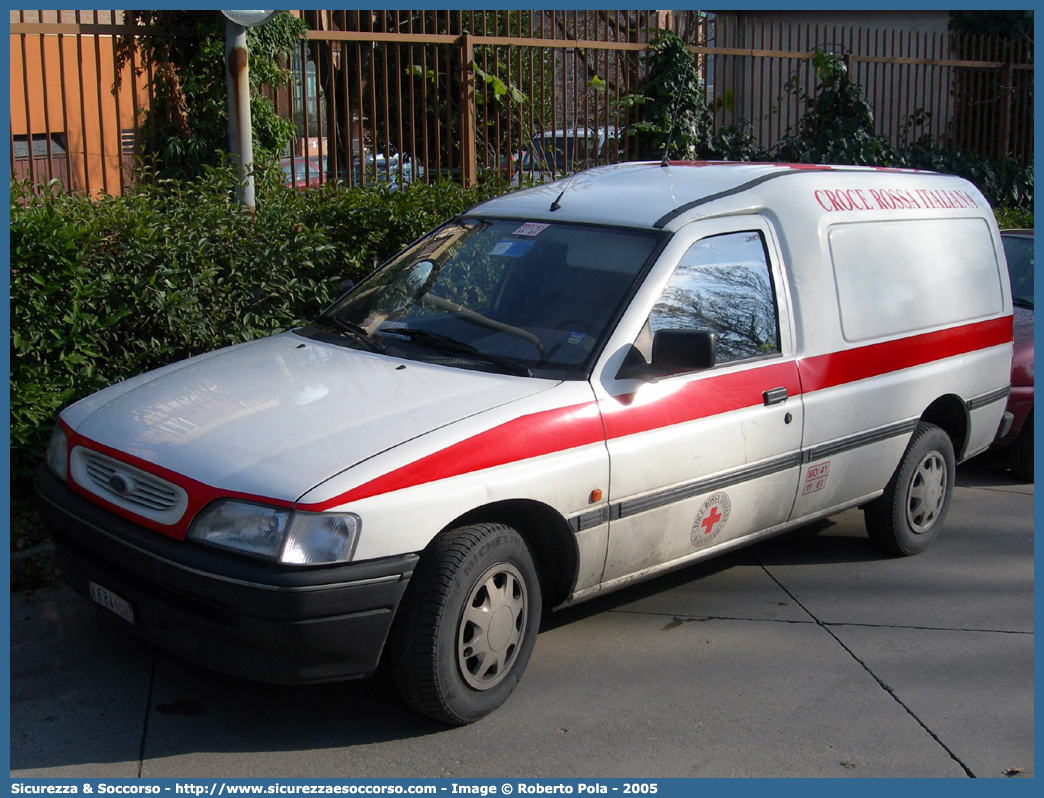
<point x="492" y="626"/>
<point x="927" y="493"/>
<point x="501" y="627"/>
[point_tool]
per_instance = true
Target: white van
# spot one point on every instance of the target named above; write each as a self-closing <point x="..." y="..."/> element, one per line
<point x="561" y="391"/>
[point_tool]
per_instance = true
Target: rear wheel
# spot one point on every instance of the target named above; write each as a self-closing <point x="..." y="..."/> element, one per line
<point x="467" y="624"/>
<point x="910" y="513"/>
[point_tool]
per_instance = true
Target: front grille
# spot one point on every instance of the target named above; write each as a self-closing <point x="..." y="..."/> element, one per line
<point x="128" y="487"/>
<point x="142" y="490"/>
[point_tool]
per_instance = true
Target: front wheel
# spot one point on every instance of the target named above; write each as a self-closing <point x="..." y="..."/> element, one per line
<point x="467" y="624"/>
<point x="910" y="513"/>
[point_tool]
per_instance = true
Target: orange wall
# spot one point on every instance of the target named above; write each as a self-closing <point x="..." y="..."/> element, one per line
<point x="69" y="83"/>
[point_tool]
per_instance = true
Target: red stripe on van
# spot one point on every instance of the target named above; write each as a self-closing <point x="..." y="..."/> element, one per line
<point x="519" y="439"/>
<point x="567" y="428"/>
<point x="838" y="368"/>
<point x="699" y="398"/>
<point x="558" y="430"/>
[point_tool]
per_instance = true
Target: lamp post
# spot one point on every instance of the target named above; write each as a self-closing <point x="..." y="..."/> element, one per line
<point x="237" y="79"/>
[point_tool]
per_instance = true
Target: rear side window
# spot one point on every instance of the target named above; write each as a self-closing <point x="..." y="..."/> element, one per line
<point x="906" y="276"/>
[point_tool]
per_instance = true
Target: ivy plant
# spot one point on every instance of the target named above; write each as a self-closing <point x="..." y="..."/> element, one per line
<point x="186" y="126"/>
<point x="673" y="119"/>
<point x="838" y="126"/>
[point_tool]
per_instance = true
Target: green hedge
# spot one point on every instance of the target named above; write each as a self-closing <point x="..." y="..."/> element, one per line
<point x="1014" y="217"/>
<point x="104" y="289"/>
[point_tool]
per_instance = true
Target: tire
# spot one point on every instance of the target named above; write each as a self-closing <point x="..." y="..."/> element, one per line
<point x="1022" y="451"/>
<point x="467" y="623"/>
<point x="907" y="518"/>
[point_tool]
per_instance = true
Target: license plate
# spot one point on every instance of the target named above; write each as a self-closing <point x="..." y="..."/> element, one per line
<point x="109" y="600"/>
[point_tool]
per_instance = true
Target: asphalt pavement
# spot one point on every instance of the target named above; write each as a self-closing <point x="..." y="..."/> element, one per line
<point x="809" y="655"/>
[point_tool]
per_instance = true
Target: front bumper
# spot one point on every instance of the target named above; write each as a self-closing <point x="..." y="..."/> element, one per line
<point x="265" y="621"/>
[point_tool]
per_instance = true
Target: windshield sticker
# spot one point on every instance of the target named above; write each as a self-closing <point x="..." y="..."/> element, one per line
<point x="531" y="229"/>
<point x="511" y="249"/>
<point x="575" y="338"/>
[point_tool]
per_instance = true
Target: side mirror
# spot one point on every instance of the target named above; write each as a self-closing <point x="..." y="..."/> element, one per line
<point x="678" y="351"/>
<point x="673" y="352"/>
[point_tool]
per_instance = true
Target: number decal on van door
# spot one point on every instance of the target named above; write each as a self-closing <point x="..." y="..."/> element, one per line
<point x="816" y="477"/>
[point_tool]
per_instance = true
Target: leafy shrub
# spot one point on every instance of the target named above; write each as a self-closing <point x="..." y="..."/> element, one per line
<point x="1009" y="218"/>
<point x="105" y="289"/>
<point x="1003" y="182"/>
<point x="838" y="126"/>
<point x="673" y="118"/>
<point x="736" y="143"/>
<point x="368" y="226"/>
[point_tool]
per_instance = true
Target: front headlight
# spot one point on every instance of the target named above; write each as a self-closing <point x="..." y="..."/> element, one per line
<point x="277" y="534"/>
<point x="58" y="453"/>
<point x="314" y="538"/>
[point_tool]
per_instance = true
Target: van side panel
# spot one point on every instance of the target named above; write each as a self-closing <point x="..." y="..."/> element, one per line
<point x="901" y="301"/>
<point x="902" y="277"/>
<point x="856" y="432"/>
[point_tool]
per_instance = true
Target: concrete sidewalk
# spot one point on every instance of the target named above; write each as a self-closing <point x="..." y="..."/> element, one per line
<point x="808" y="655"/>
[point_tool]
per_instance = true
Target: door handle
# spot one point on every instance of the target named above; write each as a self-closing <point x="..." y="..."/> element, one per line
<point x="775" y="396"/>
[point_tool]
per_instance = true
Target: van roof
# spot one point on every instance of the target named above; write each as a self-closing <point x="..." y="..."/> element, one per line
<point x="648" y="195"/>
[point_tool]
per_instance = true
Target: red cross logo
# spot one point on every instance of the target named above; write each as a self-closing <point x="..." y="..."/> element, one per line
<point x="711" y="519"/>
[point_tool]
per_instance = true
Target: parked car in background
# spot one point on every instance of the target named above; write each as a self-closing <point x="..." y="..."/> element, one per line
<point x="509" y="164"/>
<point x="1018" y="249"/>
<point x="382" y="169"/>
<point x="303" y="172"/>
<point x="557" y="153"/>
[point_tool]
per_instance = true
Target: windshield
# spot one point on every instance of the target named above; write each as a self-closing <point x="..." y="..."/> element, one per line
<point x="1018" y="250"/>
<point x="510" y="296"/>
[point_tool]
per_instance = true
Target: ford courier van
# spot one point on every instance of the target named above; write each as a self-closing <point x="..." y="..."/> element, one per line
<point x="558" y="393"/>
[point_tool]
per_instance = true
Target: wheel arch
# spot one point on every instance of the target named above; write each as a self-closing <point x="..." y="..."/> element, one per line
<point x="548" y="534"/>
<point x="950" y="413"/>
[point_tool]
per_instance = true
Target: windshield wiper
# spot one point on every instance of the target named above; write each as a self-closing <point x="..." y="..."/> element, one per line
<point x="444" y="342"/>
<point x="1023" y="302"/>
<point x="356" y="331"/>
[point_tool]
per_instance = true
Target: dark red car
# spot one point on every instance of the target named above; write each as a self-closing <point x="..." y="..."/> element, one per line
<point x="303" y="172"/>
<point x="1018" y="249"/>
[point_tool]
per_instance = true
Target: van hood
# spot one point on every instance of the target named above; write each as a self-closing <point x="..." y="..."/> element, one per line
<point x="277" y="416"/>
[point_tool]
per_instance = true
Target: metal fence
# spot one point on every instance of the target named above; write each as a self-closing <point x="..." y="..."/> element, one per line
<point x="427" y="95"/>
<point x="969" y="93"/>
<point x="399" y="95"/>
